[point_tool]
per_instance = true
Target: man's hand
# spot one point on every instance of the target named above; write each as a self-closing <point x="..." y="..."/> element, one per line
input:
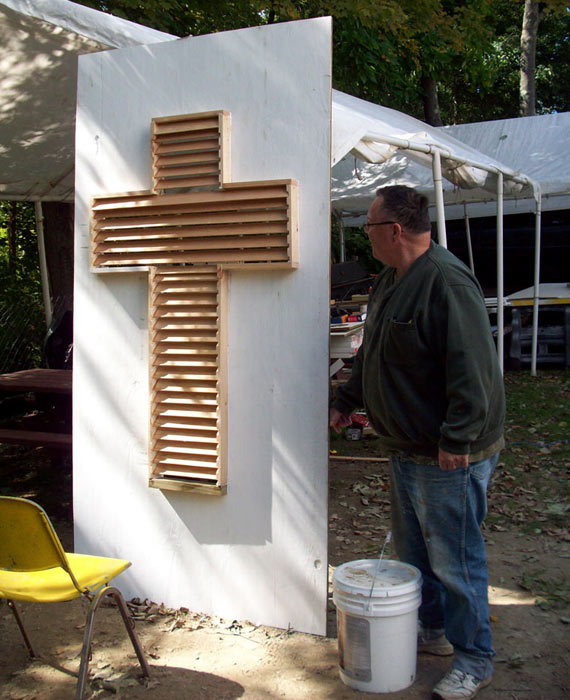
<point x="338" y="420"/>
<point x="449" y="461"/>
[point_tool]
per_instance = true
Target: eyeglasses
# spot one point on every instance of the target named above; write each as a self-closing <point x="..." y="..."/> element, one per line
<point x="368" y="224"/>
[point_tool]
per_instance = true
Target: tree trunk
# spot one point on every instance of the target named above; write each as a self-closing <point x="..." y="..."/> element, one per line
<point x="431" y="102"/>
<point x="58" y="236"/>
<point x="531" y="19"/>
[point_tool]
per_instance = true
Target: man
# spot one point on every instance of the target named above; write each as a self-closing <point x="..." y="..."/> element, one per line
<point x="427" y="375"/>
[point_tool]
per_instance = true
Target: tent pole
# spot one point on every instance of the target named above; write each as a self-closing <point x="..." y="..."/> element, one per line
<point x="438" y="188"/>
<point x="500" y="271"/>
<point x="468" y="234"/>
<point x="535" y="302"/>
<point x="342" y="239"/>
<point x="43" y="262"/>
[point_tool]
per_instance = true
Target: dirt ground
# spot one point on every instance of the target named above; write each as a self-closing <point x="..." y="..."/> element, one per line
<point x="195" y="657"/>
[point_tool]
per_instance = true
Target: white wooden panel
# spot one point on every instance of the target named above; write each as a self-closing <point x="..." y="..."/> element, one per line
<point x="260" y="552"/>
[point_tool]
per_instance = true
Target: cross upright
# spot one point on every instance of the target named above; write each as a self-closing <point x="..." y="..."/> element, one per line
<point x="188" y="231"/>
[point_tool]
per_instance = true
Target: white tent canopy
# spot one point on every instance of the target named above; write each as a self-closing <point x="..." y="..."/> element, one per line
<point x="39" y="44"/>
<point x="540" y="146"/>
<point x="375" y="145"/>
<point x="374" y="133"/>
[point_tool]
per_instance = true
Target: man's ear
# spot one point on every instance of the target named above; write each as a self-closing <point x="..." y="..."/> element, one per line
<point x="396" y="231"/>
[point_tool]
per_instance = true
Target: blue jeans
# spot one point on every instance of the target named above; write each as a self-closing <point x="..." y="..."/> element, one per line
<point x="436" y="526"/>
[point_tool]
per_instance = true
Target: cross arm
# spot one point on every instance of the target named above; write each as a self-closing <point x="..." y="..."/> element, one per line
<point x="243" y="223"/>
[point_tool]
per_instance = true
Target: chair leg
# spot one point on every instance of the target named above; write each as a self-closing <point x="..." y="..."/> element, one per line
<point x="20" y="622"/>
<point x="130" y="627"/>
<point x="88" y="636"/>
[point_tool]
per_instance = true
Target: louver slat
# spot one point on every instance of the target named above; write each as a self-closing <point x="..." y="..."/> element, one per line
<point x="187" y="377"/>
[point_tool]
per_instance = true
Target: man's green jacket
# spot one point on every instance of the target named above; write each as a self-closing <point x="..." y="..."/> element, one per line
<point x="427" y="371"/>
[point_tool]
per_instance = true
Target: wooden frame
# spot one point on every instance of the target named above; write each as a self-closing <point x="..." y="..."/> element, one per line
<point x="191" y="228"/>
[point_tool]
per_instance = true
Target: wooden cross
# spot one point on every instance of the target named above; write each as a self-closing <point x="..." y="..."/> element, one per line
<point x="187" y="231"/>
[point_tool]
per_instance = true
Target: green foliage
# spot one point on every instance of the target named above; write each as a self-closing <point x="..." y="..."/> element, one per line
<point x="24" y="256"/>
<point x="357" y="247"/>
<point x="531" y="487"/>
<point x="21" y="309"/>
<point x="498" y="97"/>
<point x="553" y="63"/>
<point x="382" y="48"/>
<point x="185" y="18"/>
<point x="369" y="65"/>
<point x="538" y="408"/>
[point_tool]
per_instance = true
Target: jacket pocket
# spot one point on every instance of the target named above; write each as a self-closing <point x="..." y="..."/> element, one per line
<point x="402" y="346"/>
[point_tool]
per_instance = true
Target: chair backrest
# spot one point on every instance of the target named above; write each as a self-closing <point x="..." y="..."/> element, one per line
<point x="28" y="541"/>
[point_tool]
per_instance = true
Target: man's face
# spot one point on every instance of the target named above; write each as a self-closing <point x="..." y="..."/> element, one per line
<point x="380" y="234"/>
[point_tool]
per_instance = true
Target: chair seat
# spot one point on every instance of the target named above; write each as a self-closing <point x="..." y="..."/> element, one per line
<point x="54" y="585"/>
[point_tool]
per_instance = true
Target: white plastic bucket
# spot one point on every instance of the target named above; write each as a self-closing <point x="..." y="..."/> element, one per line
<point x="378" y="628"/>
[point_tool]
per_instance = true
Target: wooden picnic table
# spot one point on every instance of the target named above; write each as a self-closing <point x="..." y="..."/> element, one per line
<point x="37" y="381"/>
<point x="46" y="381"/>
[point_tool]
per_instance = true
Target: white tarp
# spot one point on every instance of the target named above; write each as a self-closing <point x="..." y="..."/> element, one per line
<point x="39" y="44"/>
<point x="540" y="146"/>
<point x="537" y="146"/>
<point x="375" y="145"/>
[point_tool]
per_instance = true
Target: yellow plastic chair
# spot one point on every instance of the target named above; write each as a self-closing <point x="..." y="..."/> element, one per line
<point x="34" y="567"/>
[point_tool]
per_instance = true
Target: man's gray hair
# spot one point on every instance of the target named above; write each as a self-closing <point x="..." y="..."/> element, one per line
<point x="406" y="206"/>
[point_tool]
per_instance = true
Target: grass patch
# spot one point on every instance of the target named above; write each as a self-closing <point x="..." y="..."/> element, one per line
<point x="531" y="488"/>
<point x="550" y="592"/>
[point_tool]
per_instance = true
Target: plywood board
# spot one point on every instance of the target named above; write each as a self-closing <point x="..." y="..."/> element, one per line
<point x="259" y="552"/>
